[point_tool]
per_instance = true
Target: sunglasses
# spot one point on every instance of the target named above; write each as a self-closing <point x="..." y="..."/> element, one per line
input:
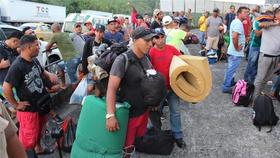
<point x="78" y="26"/>
<point x="159" y="37"/>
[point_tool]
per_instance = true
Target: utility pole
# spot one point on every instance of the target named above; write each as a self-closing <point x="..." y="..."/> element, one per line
<point x="195" y="6"/>
<point x="172" y="5"/>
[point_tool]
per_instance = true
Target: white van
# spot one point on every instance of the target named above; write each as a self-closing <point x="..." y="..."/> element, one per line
<point x="6" y="30"/>
<point x="72" y="18"/>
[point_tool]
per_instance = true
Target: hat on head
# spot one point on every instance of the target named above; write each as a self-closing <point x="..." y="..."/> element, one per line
<point x="166" y="20"/>
<point x="88" y="22"/>
<point x="159" y="31"/>
<point x="232" y="6"/>
<point x="142" y="32"/>
<point x="176" y="19"/>
<point x="156" y="12"/>
<point x="111" y="20"/>
<point x="99" y="27"/>
<point x="77" y="24"/>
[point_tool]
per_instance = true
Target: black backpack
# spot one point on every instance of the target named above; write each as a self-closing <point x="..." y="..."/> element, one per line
<point x="152" y="87"/>
<point x="155" y="142"/>
<point x="264" y="114"/>
<point x="107" y="58"/>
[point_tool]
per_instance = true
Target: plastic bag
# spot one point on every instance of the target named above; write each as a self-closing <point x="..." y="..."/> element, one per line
<point x="80" y="92"/>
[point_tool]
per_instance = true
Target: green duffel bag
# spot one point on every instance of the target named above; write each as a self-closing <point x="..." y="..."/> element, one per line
<point x="92" y="137"/>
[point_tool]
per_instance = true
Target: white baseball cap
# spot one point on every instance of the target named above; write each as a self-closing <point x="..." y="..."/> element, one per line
<point x="166" y="20"/>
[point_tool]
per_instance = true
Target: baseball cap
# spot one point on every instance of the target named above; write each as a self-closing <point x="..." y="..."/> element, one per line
<point x="156" y="12"/>
<point x="166" y="20"/>
<point x="99" y="27"/>
<point x="142" y="32"/>
<point x="159" y="31"/>
<point x="111" y="20"/>
<point x="77" y="24"/>
<point x="87" y="22"/>
<point x="176" y="19"/>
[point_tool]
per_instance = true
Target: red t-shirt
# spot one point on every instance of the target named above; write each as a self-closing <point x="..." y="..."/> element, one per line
<point x="161" y="60"/>
<point x="133" y="16"/>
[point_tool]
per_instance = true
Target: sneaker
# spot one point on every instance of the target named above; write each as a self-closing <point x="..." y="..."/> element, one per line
<point x="180" y="143"/>
<point x="227" y="91"/>
<point x="202" y="53"/>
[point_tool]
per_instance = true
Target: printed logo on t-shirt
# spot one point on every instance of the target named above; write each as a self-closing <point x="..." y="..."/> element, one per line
<point x="33" y="80"/>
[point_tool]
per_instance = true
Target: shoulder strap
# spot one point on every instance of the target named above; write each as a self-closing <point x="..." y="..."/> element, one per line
<point x="38" y="65"/>
<point x="126" y="61"/>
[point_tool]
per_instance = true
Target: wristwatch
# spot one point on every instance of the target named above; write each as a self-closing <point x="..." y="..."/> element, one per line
<point x="109" y="116"/>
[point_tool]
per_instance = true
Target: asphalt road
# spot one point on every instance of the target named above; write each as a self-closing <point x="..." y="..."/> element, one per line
<point x="215" y="128"/>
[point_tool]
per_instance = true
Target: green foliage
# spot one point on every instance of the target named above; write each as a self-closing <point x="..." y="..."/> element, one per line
<point x="113" y="6"/>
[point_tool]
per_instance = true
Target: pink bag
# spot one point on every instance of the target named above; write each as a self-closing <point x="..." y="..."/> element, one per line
<point x="242" y="93"/>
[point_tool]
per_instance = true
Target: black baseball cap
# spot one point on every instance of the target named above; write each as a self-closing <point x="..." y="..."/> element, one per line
<point x="99" y="27"/>
<point x="159" y="31"/>
<point x="111" y="20"/>
<point x="142" y="32"/>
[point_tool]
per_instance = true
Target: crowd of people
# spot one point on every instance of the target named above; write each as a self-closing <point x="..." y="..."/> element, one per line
<point x="250" y="36"/>
<point x="153" y="43"/>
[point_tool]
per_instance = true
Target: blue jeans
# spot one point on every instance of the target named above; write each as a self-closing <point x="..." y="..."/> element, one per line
<point x="175" y="114"/>
<point x="233" y="64"/>
<point x="252" y="67"/>
<point x="70" y="67"/>
<point x="202" y="40"/>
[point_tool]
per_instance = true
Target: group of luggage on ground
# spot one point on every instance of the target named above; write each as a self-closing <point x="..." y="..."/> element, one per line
<point x="255" y="36"/>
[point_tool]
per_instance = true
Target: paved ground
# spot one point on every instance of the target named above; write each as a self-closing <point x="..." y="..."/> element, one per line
<point x="215" y="128"/>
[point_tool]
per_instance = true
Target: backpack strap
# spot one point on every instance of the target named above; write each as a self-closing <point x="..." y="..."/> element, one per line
<point x="126" y="61"/>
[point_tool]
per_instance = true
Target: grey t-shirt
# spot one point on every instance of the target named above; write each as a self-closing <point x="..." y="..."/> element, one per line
<point x="118" y="67"/>
<point x="79" y="42"/>
<point x="270" y="41"/>
<point x="213" y="26"/>
<point x="131" y="78"/>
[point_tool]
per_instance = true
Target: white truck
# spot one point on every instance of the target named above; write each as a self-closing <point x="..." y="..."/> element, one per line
<point x="73" y="18"/>
<point x="18" y="11"/>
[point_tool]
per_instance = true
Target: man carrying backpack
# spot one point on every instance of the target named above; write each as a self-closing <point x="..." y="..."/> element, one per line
<point x="89" y="49"/>
<point x="93" y="43"/>
<point x="269" y="53"/>
<point x="127" y="81"/>
<point x="161" y="55"/>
